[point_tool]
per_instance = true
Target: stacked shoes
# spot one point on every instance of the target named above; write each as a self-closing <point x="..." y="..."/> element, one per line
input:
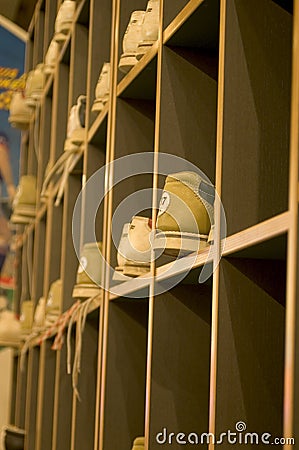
<point x="76" y="124"/>
<point x="184" y="225"/>
<point x="34" y="85"/>
<point x="186" y="214"/>
<point x="134" y="250"/>
<point x="19" y="112"/>
<point x="75" y="137"/>
<point x="24" y="204"/>
<point x="131" y="40"/>
<point x="51" y="57"/>
<point x="141" y="33"/>
<point x="64" y="20"/>
<point x="102" y="88"/>
<point x="150" y="28"/>
<point x="138" y="443"/>
<point x="89" y="271"/>
<point x="54" y="303"/>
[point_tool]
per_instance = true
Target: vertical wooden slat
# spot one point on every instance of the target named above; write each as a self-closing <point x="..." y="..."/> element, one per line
<point x="217" y="243"/>
<point x="154" y="218"/>
<point x="292" y="249"/>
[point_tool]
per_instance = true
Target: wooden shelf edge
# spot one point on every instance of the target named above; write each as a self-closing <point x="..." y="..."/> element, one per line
<point x="12" y="344"/>
<point x="180" y="19"/>
<point x="258" y="233"/>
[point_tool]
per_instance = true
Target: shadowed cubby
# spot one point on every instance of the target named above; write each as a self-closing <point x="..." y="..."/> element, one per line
<point x="180" y="361"/>
<point x="85" y="409"/>
<point x="256" y="112"/>
<point x="251" y="345"/>
<point x="126" y="372"/>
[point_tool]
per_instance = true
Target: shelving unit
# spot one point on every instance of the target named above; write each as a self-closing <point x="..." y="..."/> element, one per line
<point x="220" y="88"/>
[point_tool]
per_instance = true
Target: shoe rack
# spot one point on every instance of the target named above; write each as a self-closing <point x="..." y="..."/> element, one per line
<point x="219" y="88"/>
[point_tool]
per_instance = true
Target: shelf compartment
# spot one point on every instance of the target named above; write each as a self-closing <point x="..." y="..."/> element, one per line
<point x="98" y="130"/>
<point x="180" y="361"/>
<point x="140" y="82"/>
<point x="251" y="345"/>
<point x="189" y="83"/>
<point x="59" y="109"/>
<point x="126" y="372"/>
<point x="64" y="399"/>
<point x="31" y="404"/>
<point x="195" y="26"/>
<point x="48" y="397"/>
<point x="78" y="60"/>
<point x="100" y="18"/>
<point x="135" y="121"/>
<point x="85" y="410"/>
<point x="256" y="113"/>
<point x="69" y="259"/>
<point x="53" y="245"/>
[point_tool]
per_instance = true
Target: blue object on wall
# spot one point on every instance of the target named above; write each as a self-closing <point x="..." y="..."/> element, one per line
<point x="12" y="58"/>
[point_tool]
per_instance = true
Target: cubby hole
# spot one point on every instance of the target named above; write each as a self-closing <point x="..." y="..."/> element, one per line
<point x="126" y="9"/>
<point x="43" y="140"/>
<point x="19" y="418"/>
<point x="85" y="409"/>
<point x="31" y="407"/>
<point x="251" y="333"/>
<point x="14" y="383"/>
<point x="171" y="8"/>
<point x="93" y="195"/>
<point x="126" y="372"/>
<point x="29" y="53"/>
<point x="69" y="259"/>
<point x="200" y="29"/>
<point x="54" y="242"/>
<point x="180" y="362"/>
<point x="79" y="51"/>
<point x="39" y="259"/>
<point x="189" y="83"/>
<point x="83" y="8"/>
<point x="99" y="134"/>
<point x="32" y="161"/>
<point x="48" y="396"/>
<point x="60" y="109"/>
<point x="256" y="112"/>
<point x="50" y="17"/>
<point x="100" y="31"/>
<point x="63" y="413"/>
<point x="38" y="53"/>
<point x="143" y="86"/>
<point x="135" y="122"/>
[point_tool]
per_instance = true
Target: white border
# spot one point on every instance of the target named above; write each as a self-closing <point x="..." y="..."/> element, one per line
<point x="13" y="28"/>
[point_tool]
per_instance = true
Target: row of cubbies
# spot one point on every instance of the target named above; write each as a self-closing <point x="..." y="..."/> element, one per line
<point x="221" y="83"/>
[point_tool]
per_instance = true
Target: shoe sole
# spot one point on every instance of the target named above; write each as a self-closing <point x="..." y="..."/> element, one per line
<point x="143" y="47"/>
<point x="175" y="243"/>
<point x="77" y="137"/>
<point x="19" y="121"/>
<point x="129" y="270"/>
<point x="126" y="62"/>
<point x="85" y="290"/>
<point x="99" y="104"/>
